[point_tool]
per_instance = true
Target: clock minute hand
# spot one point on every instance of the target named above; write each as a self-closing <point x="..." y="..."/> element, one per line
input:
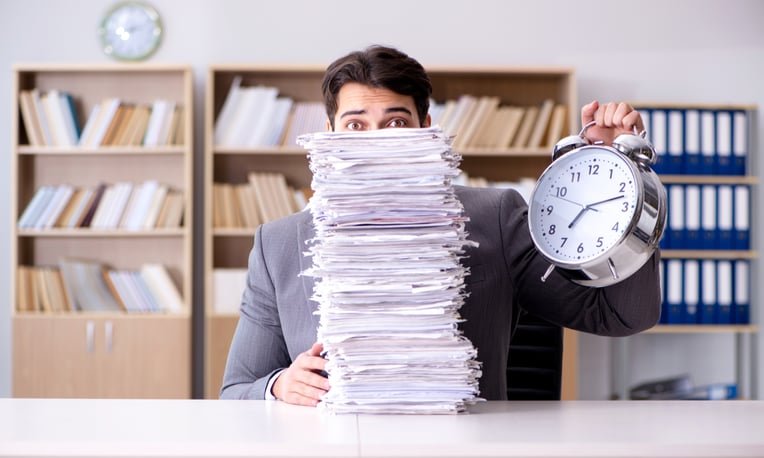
<point x="606" y="200"/>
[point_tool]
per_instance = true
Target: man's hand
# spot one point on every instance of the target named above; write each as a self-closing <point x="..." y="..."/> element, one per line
<point x="301" y="382"/>
<point x="612" y="120"/>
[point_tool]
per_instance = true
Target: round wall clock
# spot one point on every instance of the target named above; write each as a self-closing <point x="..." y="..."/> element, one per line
<point x="130" y="31"/>
<point x="598" y="212"/>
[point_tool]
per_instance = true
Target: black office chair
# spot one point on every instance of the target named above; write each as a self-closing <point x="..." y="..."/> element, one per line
<point x="534" y="366"/>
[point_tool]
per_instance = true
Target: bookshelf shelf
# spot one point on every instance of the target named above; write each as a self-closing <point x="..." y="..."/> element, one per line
<point x="514" y="152"/>
<point x="709" y="254"/>
<point x="237" y="232"/>
<point x="106" y="151"/>
<point x="228" y="248"/>
<point x="262" y="151"/>
<point x="710" y="179"/>
<point x="59" y="352"/>
<point x="702" y="329"/>
<point x="119" y="233"/>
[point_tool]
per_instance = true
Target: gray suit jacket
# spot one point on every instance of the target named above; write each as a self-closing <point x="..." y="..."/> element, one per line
<point x="277" y="320"/>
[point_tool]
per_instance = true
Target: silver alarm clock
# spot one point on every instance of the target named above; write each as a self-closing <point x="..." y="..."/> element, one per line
<point x="598" y="212"/>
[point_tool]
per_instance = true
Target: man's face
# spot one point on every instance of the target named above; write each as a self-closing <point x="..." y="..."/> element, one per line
<point x="361" y="107"/>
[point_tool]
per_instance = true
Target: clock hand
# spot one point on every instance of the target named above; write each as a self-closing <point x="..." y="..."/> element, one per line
<point x="606" y="200"/>
<point x="571" y="201"/>
<point x="580" y="214"/>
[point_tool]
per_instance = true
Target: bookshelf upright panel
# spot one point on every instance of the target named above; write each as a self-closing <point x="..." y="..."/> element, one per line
<point x="227" y="245"/>
<point x="60" y="347"/>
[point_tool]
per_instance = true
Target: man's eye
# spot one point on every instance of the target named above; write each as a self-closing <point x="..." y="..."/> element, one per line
<point x="397" y="123"/>
<point x="354" y="125"/>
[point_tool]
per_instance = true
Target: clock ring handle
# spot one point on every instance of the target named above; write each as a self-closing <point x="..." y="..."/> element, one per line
<point x="589" y="124"/>
<point x="636" y="146"/>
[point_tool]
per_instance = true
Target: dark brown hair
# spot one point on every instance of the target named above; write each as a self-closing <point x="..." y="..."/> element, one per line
<point x="380" y="67"/>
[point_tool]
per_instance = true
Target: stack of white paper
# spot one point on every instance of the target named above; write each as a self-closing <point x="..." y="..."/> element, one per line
<point x="389" y="285"/>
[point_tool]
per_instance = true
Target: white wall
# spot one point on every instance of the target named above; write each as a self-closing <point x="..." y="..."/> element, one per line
<point x="673" y="51"/>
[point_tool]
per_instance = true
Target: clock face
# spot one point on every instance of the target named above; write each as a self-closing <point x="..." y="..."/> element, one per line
<point x="131" y="31"/>
<point x="583" y="205"/>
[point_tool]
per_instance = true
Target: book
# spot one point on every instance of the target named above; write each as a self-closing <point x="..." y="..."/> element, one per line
<point x="92" y="206"/>
<point x="542" y="122"/>
<point x="29" y="117"/>
<point x="526" y="127"/>
<point x="35" y="206"/>
<point x="162" y="287"/>
<point x="43" y="295"/>
<point x="137" y="129"/>
<point x="138" y="214"/>
<point x="106" y="113"/>
<point x="180" y="129"/>
<point x="90" y="123"/>
<point x="100" y="216"/>
<point x="25" y="286"/>
<point x="125" y="121"/>
<point x="248" y="204"/>
<point x="165" y="124"/>
<point x="279" y="122"/>
<point x="61" y="199"/>
<point x="39" y="109"/>
<point x="149" y="303"/>
<point x="56" y="281"/>
<point x="156" y="118"/>
<point x="128" y="297"/>
<point x="510" y="120"/>
<point x="477" y="119"/>
<point x="228" y="285"/>
<point x="223" y="121"/>
<point x="465" y="106"/>
<point x="71" y="119"/>
<point x="107" y="278"/>
<point x="155" y="204"/>
<point x="116" y="123"/>
<point x="51" y="103"/>
<point x="175" y="206"/>
<point x="230" y="217"/>
<point x="557" y="123"/>
<point x="263" y="196"/>
<point x="85" y="287"/>
<point x="260" y="117"/>
<point x="75" y="219"/>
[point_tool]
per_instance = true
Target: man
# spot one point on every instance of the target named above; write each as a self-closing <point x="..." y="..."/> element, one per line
<point x="274" y="354"/>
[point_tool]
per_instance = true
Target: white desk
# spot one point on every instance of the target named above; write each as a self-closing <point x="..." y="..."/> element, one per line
<point x="109" y="428"/>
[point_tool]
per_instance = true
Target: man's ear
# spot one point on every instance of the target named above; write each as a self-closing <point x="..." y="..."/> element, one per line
<point x="328" y="126"/>
<point x="427" y="121"/>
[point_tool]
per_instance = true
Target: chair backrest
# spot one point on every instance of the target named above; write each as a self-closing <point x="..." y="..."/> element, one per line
<point x="534" y="366"/>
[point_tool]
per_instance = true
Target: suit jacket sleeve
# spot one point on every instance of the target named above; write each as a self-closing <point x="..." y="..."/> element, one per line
<point x="625" y="308"/>
<point x="258" y="349"/>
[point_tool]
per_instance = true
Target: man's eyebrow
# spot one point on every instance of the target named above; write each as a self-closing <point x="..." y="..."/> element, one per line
<point x="387" y="110"/>
<point x="352" y="113"/>
<point x="397" y="109"/>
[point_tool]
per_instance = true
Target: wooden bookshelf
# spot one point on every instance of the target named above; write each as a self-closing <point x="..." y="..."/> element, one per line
<point x="103" y="354"/>
<point x="229" y="247"/>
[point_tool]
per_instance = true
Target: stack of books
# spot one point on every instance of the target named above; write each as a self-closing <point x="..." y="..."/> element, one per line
<point x="135" y="207"/>
<point x="390" y="234"/>
<point x="78" y="285"/>
<point x="51" y="119"/>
